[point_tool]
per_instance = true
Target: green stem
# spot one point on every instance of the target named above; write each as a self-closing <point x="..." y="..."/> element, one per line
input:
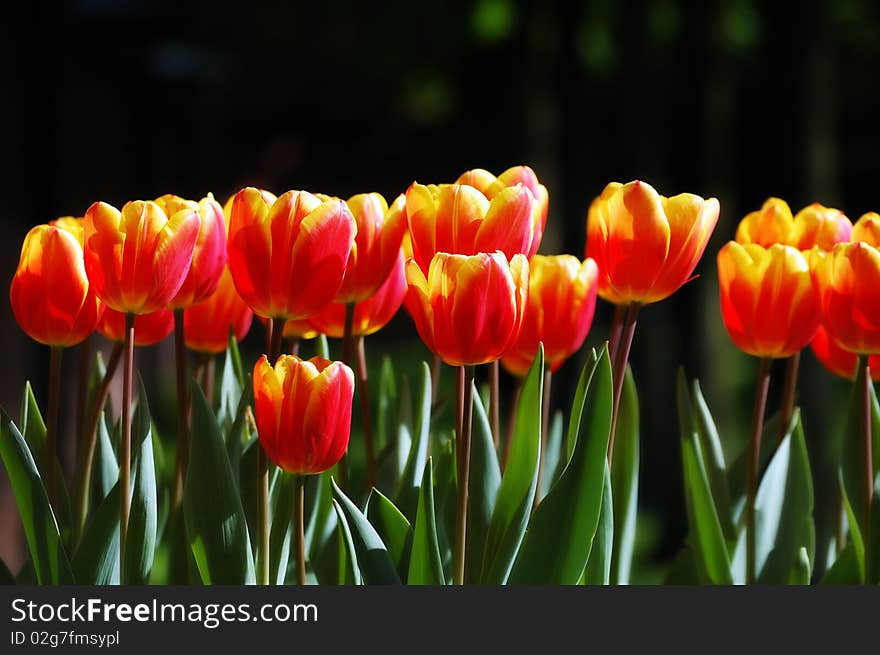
<point x="299" y="542"/>
<point x="366" y="414"/>
<point x="463" y="454"/>
<point x="868" y="455"/>
<point x="545" y="427"/>
<point x="56" y="354"/>
<point x="753" y="463"/>
<point x="125" y="446"/>
<point x="347" y="349"/>
<point x="182" y="455"/>
<point x="626" y="338"/>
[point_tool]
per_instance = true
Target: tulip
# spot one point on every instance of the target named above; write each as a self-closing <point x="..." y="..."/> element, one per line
<point x="380" y="231"/>
<point x="820" y="226"/>
<point x="370" y="315"/>
<point x="490" y="186"/>
<point x="768" y="302"/>
<point x="562" y="300"/>
<point x="838" y="361"/>
<point x="646" y="245"/>
<point x="288" y="257"/>
<point x="207" y="325"/>
<point x="771" y="224"/>
<point x="149" y="329"/>
<point x="50" y="294"/>
<point x="469" y="310"/>
<point x="867" y="229"/>
<point x="459" y="219"/>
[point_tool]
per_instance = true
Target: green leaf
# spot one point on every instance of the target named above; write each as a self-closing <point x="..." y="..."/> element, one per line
<point x="322" y="348"/>
<point x="625" y="481"/>
<point x="425" y="564"/>
<point x="47" y="552"/>
<point x="239" y="435"/>
<point x="801" y="571"/>
<point x="872" y="575"/>
<point x="560" y="534"/>
<point x="96" y="558"/>
<point x="483" y="483"/>
<point x="392" y="526"/>
<point x="783" y="513"/>
<point x="230" y="393"/>
<point x="321" y="518"/>
<point x="368" y="550"/>
<point x="713" y="457"/>
<point x="707" y="538"/>
<point x="140" y="545"/>
<point x="234" y="355"/>
<point x="105" y="469"/>
<point x="598" y="571"/>
<point x="845" y="570"/>
<point x="387" y="398"/>
<point x="215" y="521"/>
<point x="349" y="571"/>
<point x="411" y="479"/>
<point x="516" y="494"/>
<point x="552" y="460"/>
<point x="281" y="530"/>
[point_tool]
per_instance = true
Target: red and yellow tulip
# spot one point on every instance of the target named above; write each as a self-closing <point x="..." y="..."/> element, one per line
<point x="208" y="324"/>
<point x="839" y="361"/>
<point x="814" y="225"/>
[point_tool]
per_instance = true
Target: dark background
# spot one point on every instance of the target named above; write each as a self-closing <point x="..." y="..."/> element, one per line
<point x="728" y="98"/>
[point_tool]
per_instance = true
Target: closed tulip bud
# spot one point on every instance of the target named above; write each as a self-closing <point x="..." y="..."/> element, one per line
<point x="457" y="218"/>
<point x="837" y="360"/>
<point x="288" y="257"/>
<point x="771" y="224"/>
<point x="867" y="229"/>
<point x="562" y="300"/>
<point x="380" y="231"/>
<point x="469" y="310"/>
<point x="149" y="329"/>
<point x="303" y="411"/>
<point x="207" y="326"/>
<point x="848" y="282"/>
<point x="137" y="259"/>
<point x="209" y="253"/>
<point x="820" y="226"/>
<point x="646" y="245"/>
<point x="50" y="294"/>
<point x="490" y="186"/>
<point x="768" y="302"/>
<point x="371" y="314"/>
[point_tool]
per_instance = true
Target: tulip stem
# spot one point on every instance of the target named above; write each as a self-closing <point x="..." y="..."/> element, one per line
<point x="87" y="451"/>
<point x="545" y="426"/>
<point x="180" y="366"/>
<point x="347" y="348"/>
<point x="56" y="354"/>
<point x="299" y="542"/>
<point x="620" y="362"/>
<point x="789" y="392"/>
<point x="616" y="329"/>
<point x="293" y="347"/>
<point x="864" y="379"/>
<point x="366" y="416"/>
<point x="82" y="391"/>
<point x="753" y="462"/>
<point x="125" y="446"/>
<point x="495" y="401"/>
<point x="463" y="453"/>
<point x="263" y="532"/>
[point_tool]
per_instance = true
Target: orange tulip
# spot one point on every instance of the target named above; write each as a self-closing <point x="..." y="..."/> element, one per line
<point x="288" y="257"/>
<point x="206" y="326"/>
<point x="646" y="245"/>
<point x="209" y="253"/>
<point x="768" y="302"/>
<point x="457" y="218"/>
<point x="490" y="186"/>
<point x="867" y="229"/>
<point x="50" y="294"/>
<point x="848" y="282"/>
<point x="370" y="315"/>
<point x="149" y="329"/>
<point x="814" y="225"/>
<point x="303" y="411"/>
<point x="469" y="310"/>
<point x="771" y="224"/>
<point x="137" y="259"/>
<point x="562" y="300"/>
<point x="837" y="360"/>
<point x="380" y="231"/>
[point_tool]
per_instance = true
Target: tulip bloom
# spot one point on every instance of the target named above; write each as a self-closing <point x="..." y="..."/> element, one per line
<point x="768" y="302"/>
<point x="646" y="245"/>
<point x="50" y="294"/>
<point x="458" y="218"/>
<point x="303" y="411"/>
<point x="867" y="229"/>
<point x="848" y="282"/>
<point x="380" y="231"/>
<point x="562" y="300"/>
<point x="288" y="257"/>
<point x="137" y="259"/>
<point x="840" y="362"/>
<point x="149" y="329"/>
<point x="371" y="314"/>
<point x="469" y="310"/>
<point x="814" y="225"/>
<point x="206" y="326"/>
<point x="771" y="224"/>
<point x="490" y="186"/>
<point x="209" y="253"/>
